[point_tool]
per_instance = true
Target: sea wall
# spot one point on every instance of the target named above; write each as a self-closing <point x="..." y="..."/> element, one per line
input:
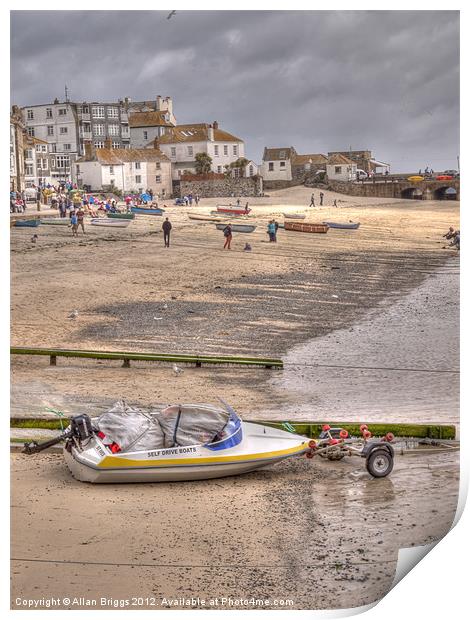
<point x="211" y="187"/>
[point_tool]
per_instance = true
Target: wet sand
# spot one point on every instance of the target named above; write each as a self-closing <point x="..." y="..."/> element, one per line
<point x="322" y="534"/>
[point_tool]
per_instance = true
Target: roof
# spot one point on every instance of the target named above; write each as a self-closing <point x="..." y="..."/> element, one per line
<point x="196" y="132"/>
<point x="120" y="156"/>
<point x="33" y="140"/>
<point x="286" y="152"/>
<point x="310" y="158"/>
<point x="149" y="119"/>
<point x="378" y="164"/>
<point x="337" y="159"/>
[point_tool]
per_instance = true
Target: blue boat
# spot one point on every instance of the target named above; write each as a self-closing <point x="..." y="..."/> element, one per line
<point x="28" y="223"/>
<point x="144" y="211"/>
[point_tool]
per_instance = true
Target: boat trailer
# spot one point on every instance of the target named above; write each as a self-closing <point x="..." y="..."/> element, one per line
<point x="336" y="443"/>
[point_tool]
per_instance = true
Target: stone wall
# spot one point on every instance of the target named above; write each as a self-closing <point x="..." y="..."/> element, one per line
<point x="211" y="187"/>
<point x="426" y="190"/>
<point x="273" y="185"/>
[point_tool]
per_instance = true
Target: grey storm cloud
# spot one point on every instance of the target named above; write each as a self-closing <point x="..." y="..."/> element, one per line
<point x="317" y="80"/>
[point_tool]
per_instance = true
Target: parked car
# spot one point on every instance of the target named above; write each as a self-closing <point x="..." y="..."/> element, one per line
<point x="452" y="173"/>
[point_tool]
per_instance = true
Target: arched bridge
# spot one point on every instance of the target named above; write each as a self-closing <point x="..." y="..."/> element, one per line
<point x="429" y="189"/>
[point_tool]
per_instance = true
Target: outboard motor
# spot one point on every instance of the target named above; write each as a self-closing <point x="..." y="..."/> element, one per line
<point x="80" y="429"/>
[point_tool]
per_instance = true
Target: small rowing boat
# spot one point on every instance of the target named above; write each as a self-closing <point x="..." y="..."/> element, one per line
<point x="27" y="223"/>
<point x="241" y="228"/>
<point x="121" y="216"/>
<point x="205" y="218"/>
<point x="308" y="228"/>
<point x="295" y="216"/>
<point x="104" y="221"/>
<point x="143" y="211"/>
<point x="347" y="225"/>
<point x="233" y="210"/>
<point x="56" y="221"/>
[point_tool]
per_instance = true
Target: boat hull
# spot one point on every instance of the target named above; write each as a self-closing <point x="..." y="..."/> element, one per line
<point x="121" y="216"/>
<point x="140" y="211"/>
<point x="27" y="223"/>
<point x="260" y="447"/>
<point x="233" y="210"/>
<point x="241" y="228"/>
<point x="295" y="216"/>
<point x="346" y="225"/>
<point x="104" y="221"/>
<point x="308" y="228"/>
<point x="56" y="221"/>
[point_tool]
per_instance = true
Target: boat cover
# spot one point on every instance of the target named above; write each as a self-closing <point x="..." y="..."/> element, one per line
<point x="189" y="425"/>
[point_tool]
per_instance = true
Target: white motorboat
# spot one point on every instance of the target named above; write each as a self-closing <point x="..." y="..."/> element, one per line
<point x="238" y="447"/>
<point x="110" y="223"/>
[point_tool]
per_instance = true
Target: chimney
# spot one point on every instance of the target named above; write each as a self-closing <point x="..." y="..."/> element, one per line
<point x="107" y="143"/>
<point x="169" y="104"/>
<point x="159" y="103"/>
<point x="56" y="100"/>
<point x="210" y="133"/>
<point x="215" y="125"/>
<point x="156" y="144"/>
<point x="88" y="150"/>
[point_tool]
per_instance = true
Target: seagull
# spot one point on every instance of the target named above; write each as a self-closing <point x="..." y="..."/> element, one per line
<point x="177" y="370"/>
<point x="170" y="15"/>
<point x="73" y="314"/>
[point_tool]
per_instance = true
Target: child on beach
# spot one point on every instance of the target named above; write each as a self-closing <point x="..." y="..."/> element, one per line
<point x="74" y="223"/>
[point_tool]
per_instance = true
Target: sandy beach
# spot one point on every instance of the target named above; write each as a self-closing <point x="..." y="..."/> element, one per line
<point x="366" y="322"/>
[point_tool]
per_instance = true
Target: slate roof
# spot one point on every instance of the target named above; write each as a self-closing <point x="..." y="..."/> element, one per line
<point x="196" y="132"/>
<point x="119" y="156"/>
<point x="149" y="119"/>
<point x="338" y="159"/>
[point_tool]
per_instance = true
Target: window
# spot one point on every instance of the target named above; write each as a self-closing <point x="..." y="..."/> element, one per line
<point x="98" y="130"/>
<point x="30" y="115"/>
<point x="43" y="164"/>
<point x="78" y="169"/>
<point x="44" y="148"/>
<point x="38" y="148"/>
<point x="48" y="112"/>
<point x="138" y="178"/>
<point x="64" y="130"/>
<point x="251" y="171"/>
<point x="216" y="150"/>
<point x="157" y="165"/>
<point x="62" y="111"/>
<point x="282" y="154"/>
<point x="146" y="135"/>
<point x="97" y="111"/>
<point x="116" y="145"/>
<point x="236" y="172"/>
<point x="99" y="145"/>
<point x="158" y="179"/>
<point x="53" y="162"/>
<point x="282" y="164"/>
<point x="29" y="169"/>
<point x="28" y="154"/>
<point x="271" y="166"/>
<point x="173" y="151"/>
<point x="31" y="131"/>
<point x="113" y="112"/>
<point x="50" y="130"/>
<point x="67" y="147"/>
<point x="53" y="148"/>
<point x="113" y="130"/>
<point x="111" y="169"/>
<point x="235" y="149"/>
<point x="219" y="169"/>
<point x="190" y="151"/>
<point x="337" y="169"/>
<point x="85" y="109"/>
<point x="62" y="161"/>
<point x="225" y="149"/>
<point x="137" y="166"/>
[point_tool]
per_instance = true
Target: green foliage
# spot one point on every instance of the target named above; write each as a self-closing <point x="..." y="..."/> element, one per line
<point x="203" y="163"/>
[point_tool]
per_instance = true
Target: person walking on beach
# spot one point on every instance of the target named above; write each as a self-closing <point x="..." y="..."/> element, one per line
<point x="81" y="219"/>
<point x="74" y="223"/>
<point x="334" y="203"/>
<point x="321" y="199"/>
<point x="312" y="201"/>
<point x="166" y="227"/>
<point x="272" y="231"/>
<point x="228" y="236"/>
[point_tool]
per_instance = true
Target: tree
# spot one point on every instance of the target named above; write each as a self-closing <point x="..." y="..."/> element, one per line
<point x="241" y="163"/>
<point x="203" y="163"/>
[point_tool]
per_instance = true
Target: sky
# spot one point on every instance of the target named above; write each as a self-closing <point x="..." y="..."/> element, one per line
<point x="320" y="81"/>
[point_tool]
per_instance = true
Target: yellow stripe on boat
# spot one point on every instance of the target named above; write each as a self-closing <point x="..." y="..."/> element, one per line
<point x="116" y="462"/>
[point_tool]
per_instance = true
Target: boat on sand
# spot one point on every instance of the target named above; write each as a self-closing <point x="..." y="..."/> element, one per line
<point x="348" y="225"/>
<point x="104" y="221"/>
<point x="241" y="228"/>
<point x="308" y="228"/>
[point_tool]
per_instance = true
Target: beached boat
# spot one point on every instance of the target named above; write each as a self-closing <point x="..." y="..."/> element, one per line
<point x="295" y="216"/>
<point x="233" y="209"/>
<point x="104" y="221"/>
<point x="27" y="223"/>
<point x="163" y="446"/>
<point x="149" y="211"/>
<point x="241" y="228"/>
<point x="121" y="216"/>
<point x="231" y="215"/>
<point x="308" y="228"/>
<point x="348" y="225"/>
<point x="206" y="218"/>
<point x="56" y="221"/>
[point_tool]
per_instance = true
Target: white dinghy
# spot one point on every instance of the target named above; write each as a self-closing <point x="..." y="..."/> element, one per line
<point x="182" y="442"/>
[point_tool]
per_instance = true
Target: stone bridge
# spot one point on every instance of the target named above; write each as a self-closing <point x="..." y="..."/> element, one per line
<point x="401" y="188"/>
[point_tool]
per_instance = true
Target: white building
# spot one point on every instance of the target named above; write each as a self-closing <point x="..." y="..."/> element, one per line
<point x="37" y="162"/>
<point x="129" y="170"/>
<point x="340" y="168"/>
<point x="276" y="164"/>
<point x="182" y="143"/>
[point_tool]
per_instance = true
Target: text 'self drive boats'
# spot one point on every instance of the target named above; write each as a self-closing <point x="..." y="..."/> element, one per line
<point x="190" y="442"/>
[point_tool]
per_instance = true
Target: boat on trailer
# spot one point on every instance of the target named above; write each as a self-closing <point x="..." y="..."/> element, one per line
<point x="149" y="211"/>
<point x="104" y="221"/>
<point x="305" y="227"/>
<point x="241" y="228"/>
<point x="346" y="225"/>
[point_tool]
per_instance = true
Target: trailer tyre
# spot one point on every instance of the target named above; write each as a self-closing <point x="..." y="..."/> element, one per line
<point x="379" y="463"/>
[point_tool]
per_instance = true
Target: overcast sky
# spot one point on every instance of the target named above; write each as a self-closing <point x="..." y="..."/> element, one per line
<point x="317" y="80"/>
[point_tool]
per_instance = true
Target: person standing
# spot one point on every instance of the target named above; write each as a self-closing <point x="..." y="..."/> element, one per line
<point x="272" y="231"/>
<point x="312" y="200"/>
<point x="196" y="199"/>
<point x="81" y="219"/>
<point x="321" y="198"/>
<point x="228" y="236"/>
<point x="74" y="223"/>
<point x="166" y="227"/>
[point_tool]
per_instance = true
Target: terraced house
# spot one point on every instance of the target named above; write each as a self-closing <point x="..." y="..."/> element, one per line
<point x="182" y="143"/>
<point x="284" y="166"/>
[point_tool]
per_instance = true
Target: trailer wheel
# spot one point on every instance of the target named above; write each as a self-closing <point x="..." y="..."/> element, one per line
<point x="379" y="463"/>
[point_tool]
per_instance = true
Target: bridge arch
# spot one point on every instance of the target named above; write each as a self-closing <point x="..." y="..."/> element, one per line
<point x="445" y="193"/>
<point x="412" y="193"/>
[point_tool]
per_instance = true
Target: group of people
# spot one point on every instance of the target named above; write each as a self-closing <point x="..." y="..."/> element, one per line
<point x="312" y="200"/>
<point x="453" y="236"/>
<point x="17" y="202"/>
